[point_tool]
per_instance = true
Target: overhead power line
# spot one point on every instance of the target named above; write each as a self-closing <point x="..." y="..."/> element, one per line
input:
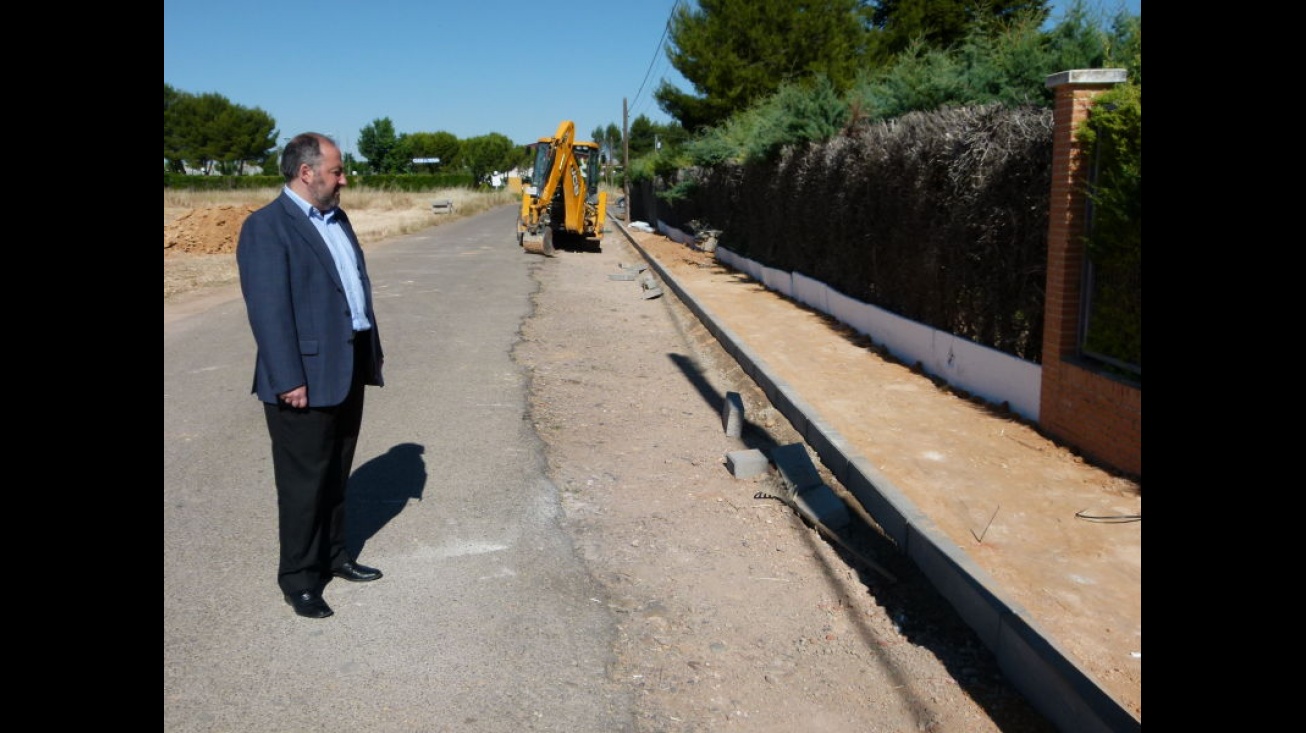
<point x="661" y="43"/>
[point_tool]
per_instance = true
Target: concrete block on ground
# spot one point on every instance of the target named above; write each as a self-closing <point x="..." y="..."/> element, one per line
<point x="820" y="504"/>
<point x="732" y="415"/>
<point x="649" y="286"/>
<point x="623" y="276"/>
<point x="746" y="463"/>
<point x="795" y="468"/>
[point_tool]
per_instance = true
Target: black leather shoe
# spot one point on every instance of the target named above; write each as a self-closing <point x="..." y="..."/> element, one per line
<point x="309" y="604"/>
<point x="356" y="573"/>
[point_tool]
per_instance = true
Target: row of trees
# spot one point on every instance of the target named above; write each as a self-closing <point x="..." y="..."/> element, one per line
<point x="736" y="53"/>
<point x="209" y="134"/>
<point x="757" y="93"/>
<point x="387" y="151"/>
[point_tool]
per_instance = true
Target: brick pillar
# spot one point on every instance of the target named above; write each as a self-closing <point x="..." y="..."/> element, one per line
<point x="1095" y="414"/>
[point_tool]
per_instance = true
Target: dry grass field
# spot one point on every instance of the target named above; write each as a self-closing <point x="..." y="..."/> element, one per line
<point x="200" y="228"/>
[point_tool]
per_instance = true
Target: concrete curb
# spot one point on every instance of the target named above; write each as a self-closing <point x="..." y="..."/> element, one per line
<point x="1068" y="696"/>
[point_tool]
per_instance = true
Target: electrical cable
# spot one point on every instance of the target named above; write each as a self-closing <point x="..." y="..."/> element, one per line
<point x="829" y="533"/>
<point x="661" y="43"/>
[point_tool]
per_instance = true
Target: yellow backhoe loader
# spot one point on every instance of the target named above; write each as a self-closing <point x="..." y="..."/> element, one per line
<point x="562" y="198"/>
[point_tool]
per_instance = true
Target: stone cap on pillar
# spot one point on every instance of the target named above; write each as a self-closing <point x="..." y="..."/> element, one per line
<point x="1085" y="76"/>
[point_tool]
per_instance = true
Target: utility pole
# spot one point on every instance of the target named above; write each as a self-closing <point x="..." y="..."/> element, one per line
<point x="625" y="155"/>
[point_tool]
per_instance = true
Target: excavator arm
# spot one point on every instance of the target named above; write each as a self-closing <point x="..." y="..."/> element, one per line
<point x="552" y="160"/>
<point x="564" y="198"/>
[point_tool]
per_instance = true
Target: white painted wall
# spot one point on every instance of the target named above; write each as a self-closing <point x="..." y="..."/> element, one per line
<point x="980" y="370"/>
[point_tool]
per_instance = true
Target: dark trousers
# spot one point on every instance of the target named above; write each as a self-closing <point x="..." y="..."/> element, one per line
<point x="312" y="457"/>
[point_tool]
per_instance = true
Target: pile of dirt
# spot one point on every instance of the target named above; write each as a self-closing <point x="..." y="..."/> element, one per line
<point x="206" y="231"/>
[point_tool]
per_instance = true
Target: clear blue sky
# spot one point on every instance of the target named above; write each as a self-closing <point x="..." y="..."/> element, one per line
<point x="470" y="68"/>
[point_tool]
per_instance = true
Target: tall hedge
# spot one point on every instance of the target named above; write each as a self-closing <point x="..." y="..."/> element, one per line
<point x="940" y="217"/>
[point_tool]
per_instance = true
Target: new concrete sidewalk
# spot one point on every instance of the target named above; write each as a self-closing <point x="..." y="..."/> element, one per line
<point x="1069" y="696"/>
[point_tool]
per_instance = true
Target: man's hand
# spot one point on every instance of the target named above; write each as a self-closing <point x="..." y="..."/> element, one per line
<point x="297" y="397"/>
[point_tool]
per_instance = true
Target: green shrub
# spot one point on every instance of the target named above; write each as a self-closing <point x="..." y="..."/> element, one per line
<point x="1113" y="136"/>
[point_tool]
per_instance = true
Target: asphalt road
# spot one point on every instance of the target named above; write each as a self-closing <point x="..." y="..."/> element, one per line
<point x="485" y="620"/>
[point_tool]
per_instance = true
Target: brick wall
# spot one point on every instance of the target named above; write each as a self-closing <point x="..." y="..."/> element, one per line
<point x="1096" y="414"/>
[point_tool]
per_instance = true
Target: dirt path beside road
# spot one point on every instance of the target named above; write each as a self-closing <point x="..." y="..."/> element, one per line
<point x="733" y="613"/>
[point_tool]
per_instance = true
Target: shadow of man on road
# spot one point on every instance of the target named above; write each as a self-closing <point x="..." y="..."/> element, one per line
<point x="380" y="489"/>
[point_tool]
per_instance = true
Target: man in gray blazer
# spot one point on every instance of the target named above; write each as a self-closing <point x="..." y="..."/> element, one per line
<point x="309" y="302"/>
